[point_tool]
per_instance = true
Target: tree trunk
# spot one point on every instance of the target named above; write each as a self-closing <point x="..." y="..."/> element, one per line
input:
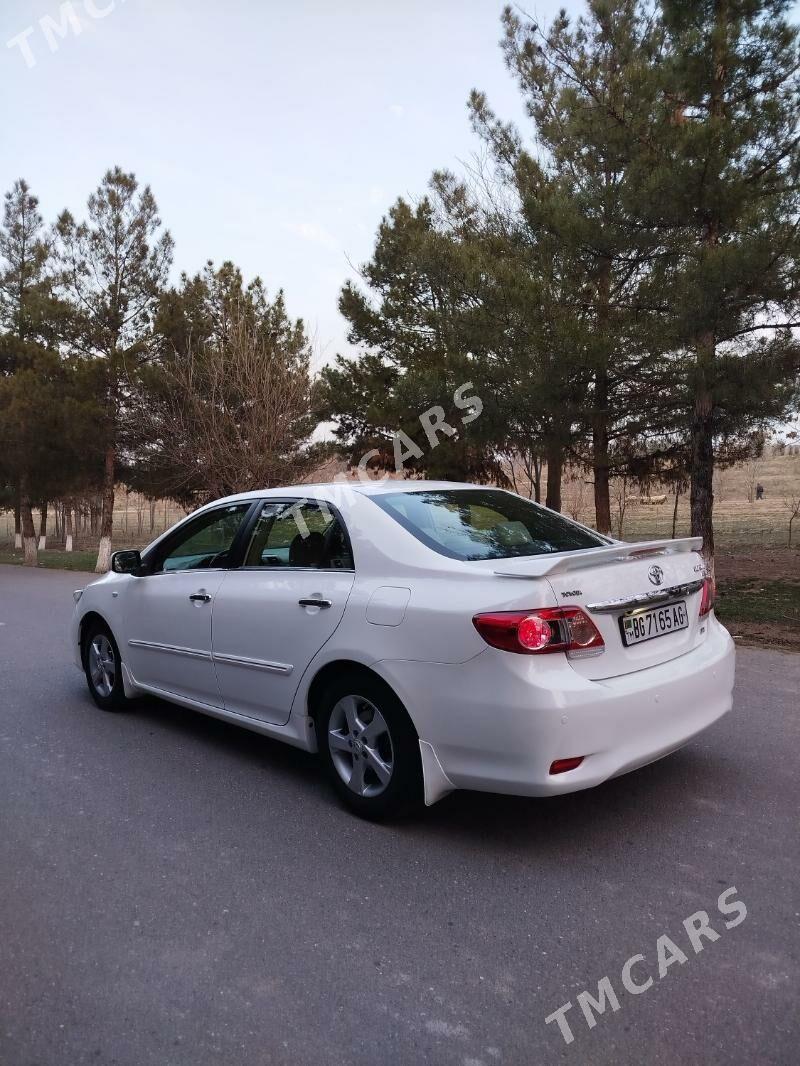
<point x="68" y="526"/>
<point x="600" y="463"/>
<point x="43" y="527"/>
<point x="675" y="513"/>
<point x="537" y="478"/>
<point x="555" y="461"/>
<point x="701" y="498"/>
<point x="28" y="529"/>
<point x="107" y="526"/>
<point x="17" y="522"/>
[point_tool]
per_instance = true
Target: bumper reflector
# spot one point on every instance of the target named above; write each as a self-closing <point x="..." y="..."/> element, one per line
<point x="560" y="766"/>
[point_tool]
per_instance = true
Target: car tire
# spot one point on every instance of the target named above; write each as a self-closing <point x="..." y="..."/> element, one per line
<point x="369" y="748"/>
<point x="102" y="665"/>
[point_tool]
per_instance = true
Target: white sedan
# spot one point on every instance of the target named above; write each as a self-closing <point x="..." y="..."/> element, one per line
<point x="422" y="636"/>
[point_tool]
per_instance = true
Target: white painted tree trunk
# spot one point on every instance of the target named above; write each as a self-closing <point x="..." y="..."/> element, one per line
<point x="28" y="528"/>
<point x="107" y="513"/>
<point x="68" y="527"/>
<point x="31" y="554"/>
<point x="42" y="543"/>
<point x="104" y="556"/>
<point x="17" y="542"/>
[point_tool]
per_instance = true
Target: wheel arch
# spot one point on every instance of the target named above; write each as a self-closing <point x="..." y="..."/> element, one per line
<point x="337" y="668"/>
<point x="435" y="781"/>
<point x="92" y="616"/>
<point x="88" y="619"/>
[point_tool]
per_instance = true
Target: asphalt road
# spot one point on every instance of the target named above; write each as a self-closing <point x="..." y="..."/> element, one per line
<point x="174" y="890"/>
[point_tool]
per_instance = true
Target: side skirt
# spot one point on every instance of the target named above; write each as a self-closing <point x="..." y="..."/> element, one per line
<point x="296" y="731"/>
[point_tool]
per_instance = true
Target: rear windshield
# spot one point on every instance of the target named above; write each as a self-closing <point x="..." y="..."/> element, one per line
<point x="483" y="524"/>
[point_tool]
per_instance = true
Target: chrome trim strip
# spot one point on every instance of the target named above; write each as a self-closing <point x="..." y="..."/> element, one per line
<point x="232" y="660"/>
<point x="270" y="571"/>
<point x="254" y="664"/>
<point x="174" y="649"/>
<point x="645" y="599"/>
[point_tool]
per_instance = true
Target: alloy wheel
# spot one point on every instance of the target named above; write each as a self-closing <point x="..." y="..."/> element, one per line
<point x="102" y="665"/>
<point x="361" y="746"/>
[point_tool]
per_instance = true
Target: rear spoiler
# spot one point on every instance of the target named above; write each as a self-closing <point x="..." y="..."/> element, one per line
<point x="548" y="565"/>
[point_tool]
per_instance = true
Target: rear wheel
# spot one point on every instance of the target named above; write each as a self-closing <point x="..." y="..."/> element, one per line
<point x="369" y="748"/>
<point x="103" y="667"/>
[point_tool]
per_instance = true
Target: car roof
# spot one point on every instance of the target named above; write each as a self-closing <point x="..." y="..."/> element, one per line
<point x="365" y="488"/>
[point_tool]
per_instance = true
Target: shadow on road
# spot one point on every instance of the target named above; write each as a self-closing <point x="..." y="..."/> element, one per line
<point x="652" y="803"/>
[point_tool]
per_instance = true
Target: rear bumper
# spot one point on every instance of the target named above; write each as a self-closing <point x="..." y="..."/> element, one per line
<point x="497" y="722"/>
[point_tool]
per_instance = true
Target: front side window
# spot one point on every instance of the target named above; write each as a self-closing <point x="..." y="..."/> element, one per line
<point x="205" y="542"/>
<point x="301" y="534"/>
<point x="483" y="524"/>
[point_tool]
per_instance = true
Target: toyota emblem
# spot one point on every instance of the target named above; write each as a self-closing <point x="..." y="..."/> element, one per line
<point x="656" y="574"/>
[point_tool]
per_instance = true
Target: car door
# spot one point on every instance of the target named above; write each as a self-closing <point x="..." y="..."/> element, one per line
<point x="274" y="613"/>
<point x="167" y="611"/>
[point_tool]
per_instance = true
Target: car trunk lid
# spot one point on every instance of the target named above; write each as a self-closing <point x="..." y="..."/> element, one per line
<point x="622" y="580"/>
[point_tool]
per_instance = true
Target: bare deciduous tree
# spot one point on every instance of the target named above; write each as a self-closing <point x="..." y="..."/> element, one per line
<point x="233" y="414"/>
<point x="619" y="498"/>
<point x="523" y="469"/>
<point x="753" y="470"/>
<point x="792" y="505"/>
<point x="575" y="497"/>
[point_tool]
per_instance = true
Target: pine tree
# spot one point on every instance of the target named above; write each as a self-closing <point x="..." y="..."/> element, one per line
<point x="575" y="224"/>
<point x="25" y="299"/>
<point x="114" y="267"/>
<point x="48" y="412"/>
<point x="720" y="181"/>
<point x="527" y="356"/>
<point x="421" y="323"/>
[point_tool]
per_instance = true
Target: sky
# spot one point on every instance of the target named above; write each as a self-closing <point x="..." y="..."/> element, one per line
<point x="275" y="134"/>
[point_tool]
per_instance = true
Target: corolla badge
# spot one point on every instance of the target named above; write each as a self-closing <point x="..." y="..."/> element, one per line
<point x="656" y="574"/>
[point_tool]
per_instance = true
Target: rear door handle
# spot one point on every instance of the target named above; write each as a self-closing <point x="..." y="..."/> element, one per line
<point x="315" y="601"/>
<point x="200" y="597"/>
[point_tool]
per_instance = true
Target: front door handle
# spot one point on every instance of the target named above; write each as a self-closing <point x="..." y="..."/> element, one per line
<point x="200" y="597"/>
<point x="315" y="601"/>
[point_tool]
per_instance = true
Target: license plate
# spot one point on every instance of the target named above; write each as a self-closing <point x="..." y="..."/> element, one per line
<point x="653" y="622"/>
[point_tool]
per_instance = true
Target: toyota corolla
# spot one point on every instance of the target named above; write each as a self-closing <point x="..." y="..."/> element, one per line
<point x="421" y="636"/>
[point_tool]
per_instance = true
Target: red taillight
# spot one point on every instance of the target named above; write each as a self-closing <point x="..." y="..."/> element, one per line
<point x="534" y="633"/>
<point x="537" y="632"/>
<point x="560" y="766"/>
<point x="708" y="597"/>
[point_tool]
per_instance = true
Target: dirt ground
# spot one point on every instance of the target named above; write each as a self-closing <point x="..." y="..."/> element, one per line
<point x="769" y="564"/>
<point x="758" y="596"/>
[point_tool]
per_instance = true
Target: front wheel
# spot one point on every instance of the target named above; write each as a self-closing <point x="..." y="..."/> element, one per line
<point x="369" y="748"/>
<point x="103" y="668"/>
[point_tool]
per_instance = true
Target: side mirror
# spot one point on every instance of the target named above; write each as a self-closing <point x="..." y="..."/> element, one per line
<point x="126" y="562"/>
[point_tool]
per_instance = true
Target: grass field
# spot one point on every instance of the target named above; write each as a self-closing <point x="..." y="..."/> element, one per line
<point x="737" y="521"/>
<point x="52" y="559"/>
<point x="757" y="602"/>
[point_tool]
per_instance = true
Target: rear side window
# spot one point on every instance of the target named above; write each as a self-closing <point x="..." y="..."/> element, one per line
<point x="301" y="534"/>
<point x="483" y="524"/>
